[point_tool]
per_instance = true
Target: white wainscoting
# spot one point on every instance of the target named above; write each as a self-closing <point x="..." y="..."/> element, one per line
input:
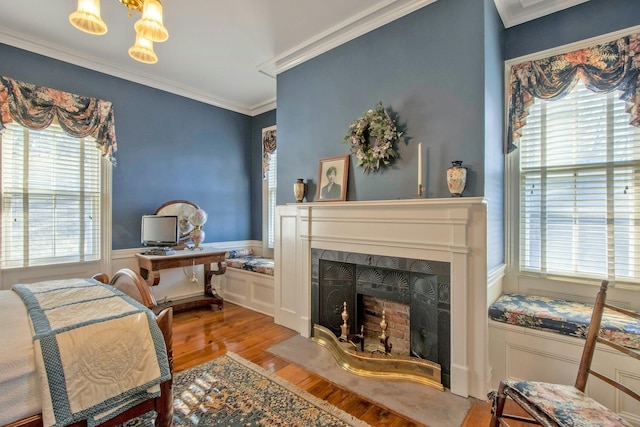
<point x="248" y="289"/>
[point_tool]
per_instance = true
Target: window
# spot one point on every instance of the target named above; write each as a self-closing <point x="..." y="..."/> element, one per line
<point x="578" y="199"/>
<point x="270" y="187"/>
<point x="51" y="198"/>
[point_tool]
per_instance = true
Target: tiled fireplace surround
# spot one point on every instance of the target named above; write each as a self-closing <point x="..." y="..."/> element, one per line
<point x="442" y="230"/>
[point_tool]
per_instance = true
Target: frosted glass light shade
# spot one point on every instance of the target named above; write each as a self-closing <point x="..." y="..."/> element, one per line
<point x="198" y="218"/>
<point x="142" y="51"/>
<point x="150" y="24"/>
<point x="87" y="17"/>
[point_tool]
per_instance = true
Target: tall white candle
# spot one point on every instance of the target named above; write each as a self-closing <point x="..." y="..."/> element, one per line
<point x="420" y="163"/>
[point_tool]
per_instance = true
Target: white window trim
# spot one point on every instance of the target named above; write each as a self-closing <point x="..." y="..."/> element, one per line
<point x="573" y="289"/>
<point x="8" y="277"/>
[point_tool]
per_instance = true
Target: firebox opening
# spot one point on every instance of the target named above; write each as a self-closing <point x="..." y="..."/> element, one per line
<point x="414" y="295"/>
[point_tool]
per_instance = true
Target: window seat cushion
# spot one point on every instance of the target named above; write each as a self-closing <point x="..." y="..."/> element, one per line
<point x="253" y="263"/>
<point x="561" y="316"/>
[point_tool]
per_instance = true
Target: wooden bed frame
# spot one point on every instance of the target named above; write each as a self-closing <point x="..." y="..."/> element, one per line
<point x="132" y="284"/>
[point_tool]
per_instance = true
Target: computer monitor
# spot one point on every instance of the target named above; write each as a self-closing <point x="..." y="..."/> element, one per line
<point x="160" y="230"/>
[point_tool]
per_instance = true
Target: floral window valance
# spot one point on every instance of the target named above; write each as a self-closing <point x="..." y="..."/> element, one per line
<point x="268" y="147"/>
<point x="36" y="107"/>
<point x="602" y="68"/>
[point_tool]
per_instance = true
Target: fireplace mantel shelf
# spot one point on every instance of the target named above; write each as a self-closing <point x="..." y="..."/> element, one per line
<point x="395" y="202"/>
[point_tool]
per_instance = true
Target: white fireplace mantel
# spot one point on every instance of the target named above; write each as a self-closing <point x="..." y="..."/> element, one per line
<point x="451" y="230"/>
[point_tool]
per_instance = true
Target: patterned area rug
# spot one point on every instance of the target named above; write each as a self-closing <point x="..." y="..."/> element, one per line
<point x="231" y="391"/>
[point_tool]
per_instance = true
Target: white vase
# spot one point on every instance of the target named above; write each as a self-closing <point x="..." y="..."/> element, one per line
<point x="197" y="236"/>
<point x="299" y="188"/>
<point x="456" y="178"/>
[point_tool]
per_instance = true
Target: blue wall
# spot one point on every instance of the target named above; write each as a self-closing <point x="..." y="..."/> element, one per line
<point x="494" y="134"/>
<point x="169" y="147"/>
<point x="426" y="69"/>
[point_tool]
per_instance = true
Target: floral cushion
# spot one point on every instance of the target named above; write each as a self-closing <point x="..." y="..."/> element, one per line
<point x="239" y="253"/>
<point x="565" y="404"/>
<point x="565" y="317"/>
<point x="252" y="263"/>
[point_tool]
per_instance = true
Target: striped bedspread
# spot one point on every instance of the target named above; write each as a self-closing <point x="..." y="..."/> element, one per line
<point x="98" y="352"/>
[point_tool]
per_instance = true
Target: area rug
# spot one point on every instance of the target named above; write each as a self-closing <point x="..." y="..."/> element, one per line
<point x="421" y="403"/>
<point x="231" y="391"/>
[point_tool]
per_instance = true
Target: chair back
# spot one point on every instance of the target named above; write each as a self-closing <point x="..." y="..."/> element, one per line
<point x="594" y="338"/>
<point x="132" y="284"/>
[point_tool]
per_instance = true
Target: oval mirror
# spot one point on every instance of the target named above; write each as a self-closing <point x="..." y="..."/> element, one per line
<point x="182" y="209"/>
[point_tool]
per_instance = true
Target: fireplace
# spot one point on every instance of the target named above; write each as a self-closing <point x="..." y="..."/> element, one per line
<point x="414" y="293"/>
<point x="449" y="231"/>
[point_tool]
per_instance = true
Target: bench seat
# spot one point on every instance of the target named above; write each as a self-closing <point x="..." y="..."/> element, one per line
<point x="253" y="263"/>
<point x="561" y="316"/>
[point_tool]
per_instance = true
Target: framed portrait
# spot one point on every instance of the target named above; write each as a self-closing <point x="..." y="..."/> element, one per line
<point x="332" y="181"/>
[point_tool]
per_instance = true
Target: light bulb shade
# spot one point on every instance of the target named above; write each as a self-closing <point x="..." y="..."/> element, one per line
<point x="198" y="217"/>
<point x="150" y="24"/>
<point x="143" y="51"/>
<point x="87" y="17"/>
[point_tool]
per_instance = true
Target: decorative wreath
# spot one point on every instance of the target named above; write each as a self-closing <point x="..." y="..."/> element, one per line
<point x="372" y="138"/>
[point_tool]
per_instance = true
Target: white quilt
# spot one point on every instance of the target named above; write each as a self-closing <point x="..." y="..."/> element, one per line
<point x="19" y="385"/>
<point x="97" y="351"/>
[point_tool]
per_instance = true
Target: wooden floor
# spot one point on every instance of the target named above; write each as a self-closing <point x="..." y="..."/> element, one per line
<point x="201" y="335"/>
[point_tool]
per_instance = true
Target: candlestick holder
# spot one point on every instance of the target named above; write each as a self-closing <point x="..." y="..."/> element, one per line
<point x="420" y="190"/>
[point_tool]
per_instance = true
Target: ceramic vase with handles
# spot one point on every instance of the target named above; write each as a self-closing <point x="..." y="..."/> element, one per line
<point x="456" y="178"/>
<point x="299" y="189"/>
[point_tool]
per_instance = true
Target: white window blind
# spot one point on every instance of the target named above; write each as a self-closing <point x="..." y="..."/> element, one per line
<point x="50" y="197"/>
<point x="271" y="183"/>
<point x="579" y="175"/>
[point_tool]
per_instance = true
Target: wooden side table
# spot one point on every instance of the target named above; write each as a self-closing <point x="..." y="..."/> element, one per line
<point x="150" y="266"/>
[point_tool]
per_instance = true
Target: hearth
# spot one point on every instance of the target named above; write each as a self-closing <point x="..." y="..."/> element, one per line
<point x="414" y="294"/>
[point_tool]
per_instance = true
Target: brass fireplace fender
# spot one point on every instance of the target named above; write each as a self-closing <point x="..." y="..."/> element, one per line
<point x="379" y="366"/>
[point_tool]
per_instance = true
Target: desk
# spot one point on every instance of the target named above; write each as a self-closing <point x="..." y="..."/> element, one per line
<point x="150" y="266"/>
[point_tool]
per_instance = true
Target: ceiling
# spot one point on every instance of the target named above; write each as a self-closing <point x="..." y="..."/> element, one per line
<point x="224" y="52"/>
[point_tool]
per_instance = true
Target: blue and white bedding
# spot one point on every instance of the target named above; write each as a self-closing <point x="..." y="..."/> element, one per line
<point x="97" y="351"/>
<point x="19" y="385"/>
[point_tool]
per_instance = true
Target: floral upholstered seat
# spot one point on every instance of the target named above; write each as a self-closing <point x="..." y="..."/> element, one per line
<point x="564" y="317"/>
<point x="557" y="401"/>
<point x="244" y="259"/>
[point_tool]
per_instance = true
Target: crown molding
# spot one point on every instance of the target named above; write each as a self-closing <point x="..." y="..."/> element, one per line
<point x="515" y="12"/>
<point x="60" y="53"/>
<point x="263" y="107"/>
<point x="362" y="23"/>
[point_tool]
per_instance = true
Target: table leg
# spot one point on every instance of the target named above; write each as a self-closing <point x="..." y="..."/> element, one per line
<point x="208" y="289"/>
<point x="152" y="277"/>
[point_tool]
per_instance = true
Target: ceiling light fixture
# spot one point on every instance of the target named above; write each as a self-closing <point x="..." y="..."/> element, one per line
<point x="149" y="27"/>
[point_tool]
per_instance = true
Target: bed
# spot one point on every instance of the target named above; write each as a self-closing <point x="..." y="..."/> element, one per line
<point x="105" y="310"/>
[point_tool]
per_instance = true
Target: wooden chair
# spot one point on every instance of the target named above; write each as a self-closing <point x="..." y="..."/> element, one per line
<point x="550" y="404"/>
<point x="132" y="284"/>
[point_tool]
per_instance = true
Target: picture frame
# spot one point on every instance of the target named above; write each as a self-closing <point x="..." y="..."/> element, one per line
<point x="332" y="180"/>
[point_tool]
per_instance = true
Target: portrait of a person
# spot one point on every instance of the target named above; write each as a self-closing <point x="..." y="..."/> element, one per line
<point x="332" y="190"/>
